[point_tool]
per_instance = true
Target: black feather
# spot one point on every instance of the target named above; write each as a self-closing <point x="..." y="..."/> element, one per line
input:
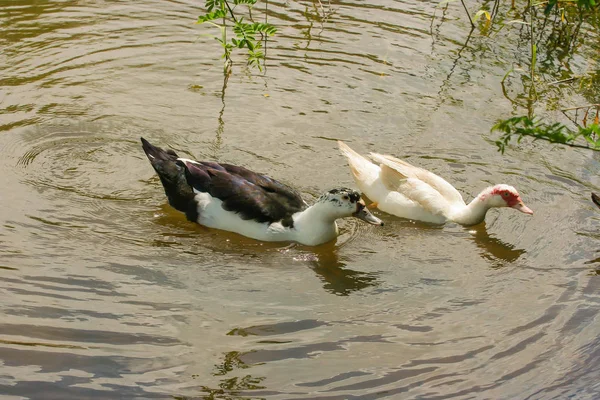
<point x="253" y="196"/>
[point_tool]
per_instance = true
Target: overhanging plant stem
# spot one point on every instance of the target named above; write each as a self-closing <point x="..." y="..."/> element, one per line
<point x="533" y="49"/>
<point x="468" y="15"/>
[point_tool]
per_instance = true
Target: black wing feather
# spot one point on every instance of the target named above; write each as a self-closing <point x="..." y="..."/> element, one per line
<point x="253" y="196"/>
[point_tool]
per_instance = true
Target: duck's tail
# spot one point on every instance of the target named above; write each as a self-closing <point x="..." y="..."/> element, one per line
<point x="363" y="170"/>
<point x="172" y="176"/>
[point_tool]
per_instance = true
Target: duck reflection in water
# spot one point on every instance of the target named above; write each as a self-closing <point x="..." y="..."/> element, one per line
<point x="323" y="259"/>
<point x="493" y="249"/>
<point x="336" y="278"/>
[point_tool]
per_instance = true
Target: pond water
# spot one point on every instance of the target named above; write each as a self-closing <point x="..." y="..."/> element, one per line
<point x="107" y="292"/>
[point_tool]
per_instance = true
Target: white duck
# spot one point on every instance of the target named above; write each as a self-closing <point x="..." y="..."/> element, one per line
<point x="235" y="199"/>
<point x="406" y="191"/>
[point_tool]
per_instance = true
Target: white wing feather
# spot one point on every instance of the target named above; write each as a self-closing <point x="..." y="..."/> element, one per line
<point x="415" y="190"/>
<point x="435" y="182"/>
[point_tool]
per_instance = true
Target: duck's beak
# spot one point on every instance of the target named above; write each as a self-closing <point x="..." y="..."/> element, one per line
<point x="523" y="208"/>
<point x="363" y="213"/>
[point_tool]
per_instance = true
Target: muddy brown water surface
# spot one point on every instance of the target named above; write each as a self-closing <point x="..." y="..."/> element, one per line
<point x="107" y="292"/>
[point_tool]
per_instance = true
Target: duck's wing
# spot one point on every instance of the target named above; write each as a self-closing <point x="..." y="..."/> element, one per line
<point x="251" y="195"/>
<point x="415" y="190"/>
<point x="279" y="190"/>
<point x="443" y="187"/>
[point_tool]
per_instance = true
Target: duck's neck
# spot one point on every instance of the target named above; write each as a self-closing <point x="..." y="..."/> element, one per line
<point x="315" y="225"/>
<point x="473" y="213"/>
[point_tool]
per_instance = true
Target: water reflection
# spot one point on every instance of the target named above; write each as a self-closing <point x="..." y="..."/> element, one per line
<point x="446" y="86"/>
<point x="595" y="263"/>
<point x="324" y="260"/>
<point x="493" y="249"/>
<point x="230" y="388"/>
<point x="336" y="278"/>
<point x="217" y="143"/>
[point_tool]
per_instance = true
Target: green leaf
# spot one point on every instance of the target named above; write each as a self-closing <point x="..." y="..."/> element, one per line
<point x="217" y="14"/>
<point x="554" y="133"/>
<point x="267" y="29"/>
<point x="210" y="4"/>
<point x="245" y="34"/>
<point x="550" y="6"/>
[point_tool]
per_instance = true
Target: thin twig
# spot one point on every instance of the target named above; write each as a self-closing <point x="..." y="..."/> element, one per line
<point x="322" y="8"/>
<point x="236" y="21"/>
<point x="564" y="80"/>
<point x="580" y="107"/>
<point x="265" y="36"/>
<point x="468" y="15"/>
<point x="563" y="143"/>
<point x="533" y="53"/>
<point x="573" y="120"/>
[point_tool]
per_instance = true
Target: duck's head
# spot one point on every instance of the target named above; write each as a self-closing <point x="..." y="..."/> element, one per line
<point x="504" y="196"/>
<point x="344" y="202"/>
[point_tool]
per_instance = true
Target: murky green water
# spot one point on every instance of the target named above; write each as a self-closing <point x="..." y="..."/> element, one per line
<point x="109" y="293"/>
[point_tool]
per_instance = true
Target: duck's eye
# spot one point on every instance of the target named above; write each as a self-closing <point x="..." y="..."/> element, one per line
<point x="505" y="194"/>
<point x="345" y="197"/>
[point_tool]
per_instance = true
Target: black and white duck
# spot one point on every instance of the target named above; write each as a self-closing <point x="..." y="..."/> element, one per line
<point x="235" y="199"/>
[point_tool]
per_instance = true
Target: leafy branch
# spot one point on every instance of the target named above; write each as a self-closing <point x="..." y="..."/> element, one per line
<point x="247" y="35"/>
<point x="582" y="4"/>
<point x="553" y="133"/>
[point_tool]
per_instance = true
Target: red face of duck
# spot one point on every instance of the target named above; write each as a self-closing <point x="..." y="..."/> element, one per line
<point x="511" y="198"/>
